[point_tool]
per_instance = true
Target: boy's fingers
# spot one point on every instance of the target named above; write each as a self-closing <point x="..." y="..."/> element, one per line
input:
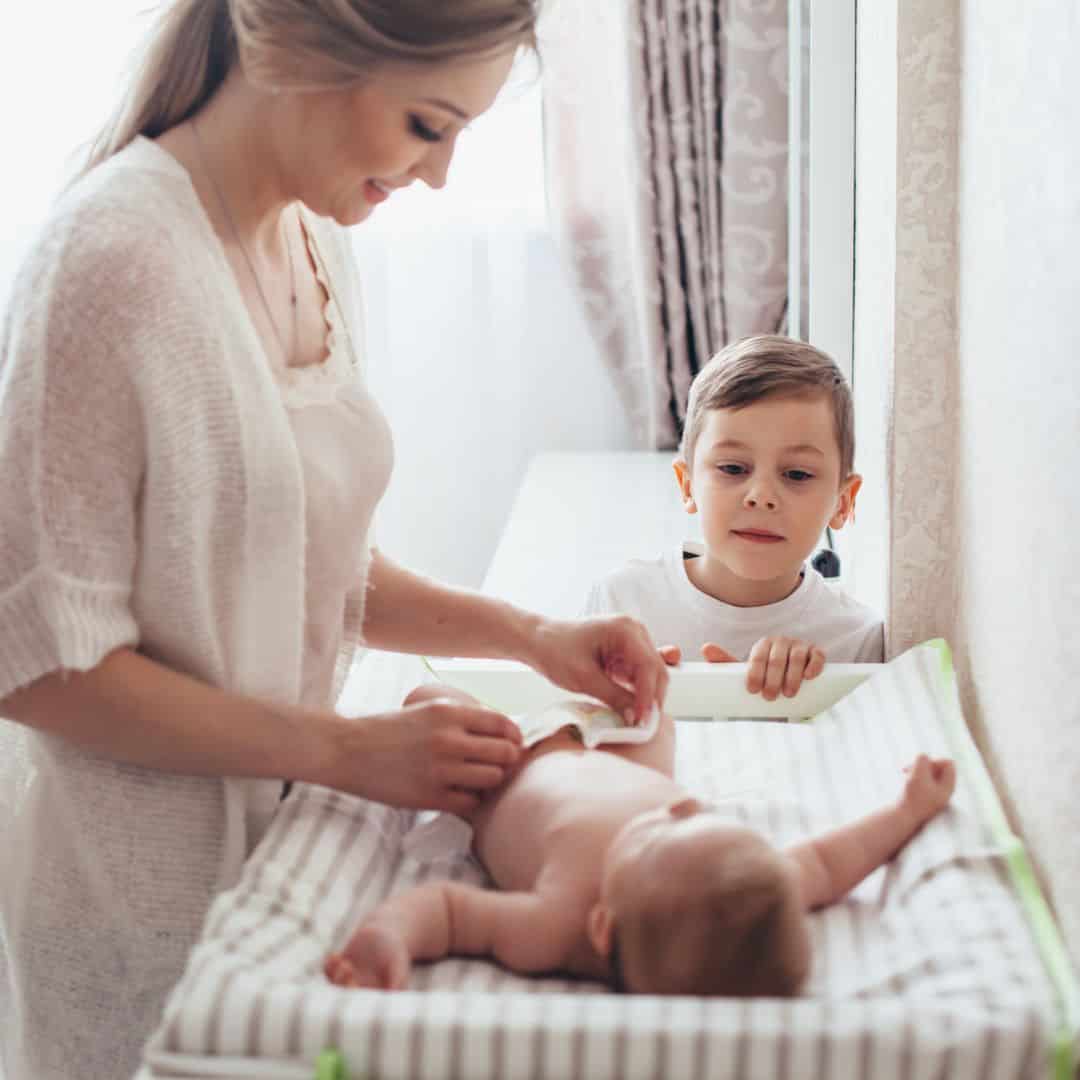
<point x="775" y="669"/>
<point x="670" y="654"/>
<point x="712" y="652"/>
<point x="756" y="671"/>
<point x="798" y="661"/>
<point x="815" y="665"/>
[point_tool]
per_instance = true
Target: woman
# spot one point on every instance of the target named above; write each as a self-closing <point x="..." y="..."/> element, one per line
<point x="190" y="464"/>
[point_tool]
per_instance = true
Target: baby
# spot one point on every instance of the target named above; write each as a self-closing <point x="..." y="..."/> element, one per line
<point x="609" y="869"/>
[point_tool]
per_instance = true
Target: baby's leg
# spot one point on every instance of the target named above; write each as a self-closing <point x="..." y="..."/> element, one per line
<point x="658" y="753"/>
<point x="428" y="691"/>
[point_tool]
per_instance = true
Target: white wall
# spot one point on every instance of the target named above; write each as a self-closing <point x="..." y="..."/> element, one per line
<point x="968" y="376"/>
<point x="1019" y="367"/>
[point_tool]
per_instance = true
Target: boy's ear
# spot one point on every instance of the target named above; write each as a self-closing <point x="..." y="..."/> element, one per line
<point x="598" y="926"/>
<point x="682" y="474"/>
<point x="845" y="502"/>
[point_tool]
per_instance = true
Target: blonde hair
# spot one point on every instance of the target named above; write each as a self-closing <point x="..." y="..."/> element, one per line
<point x="297" y="45"/>
<point x="765" y="366"/>
<point x="741" y="934"/>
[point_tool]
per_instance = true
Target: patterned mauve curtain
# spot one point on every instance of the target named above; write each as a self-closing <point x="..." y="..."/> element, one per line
<point x="666" y="133"/>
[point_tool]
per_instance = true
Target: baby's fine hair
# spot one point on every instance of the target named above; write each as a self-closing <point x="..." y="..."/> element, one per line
<point x="740" y="937"/>
<point x="770" y="366"/>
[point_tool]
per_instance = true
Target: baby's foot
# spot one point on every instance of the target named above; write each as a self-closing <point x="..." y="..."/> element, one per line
<point x="340" y="971"/>
<point x="373" y="959"/>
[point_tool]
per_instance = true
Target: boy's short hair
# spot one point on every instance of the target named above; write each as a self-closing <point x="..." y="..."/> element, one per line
<point x="765" y="366"/>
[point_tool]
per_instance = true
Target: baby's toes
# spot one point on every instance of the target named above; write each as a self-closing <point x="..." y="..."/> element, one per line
<point x="339" y="970"/>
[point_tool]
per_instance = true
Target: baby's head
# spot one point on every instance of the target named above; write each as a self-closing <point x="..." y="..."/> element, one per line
<point x="767" y="454"/>
<point x="691" y="904"/>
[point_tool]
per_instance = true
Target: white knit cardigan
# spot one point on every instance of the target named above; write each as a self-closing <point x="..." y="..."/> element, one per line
<point x="150" y="495"/>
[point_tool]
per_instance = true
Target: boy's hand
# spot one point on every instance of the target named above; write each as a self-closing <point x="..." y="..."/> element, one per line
<point x="670" y="654"/>
<point x="713" y="654"/>
<point x="375" y="958"/>
<point x="778" y="665"/>
<point x="710" y="652"/>
<point x="930" y="784"/>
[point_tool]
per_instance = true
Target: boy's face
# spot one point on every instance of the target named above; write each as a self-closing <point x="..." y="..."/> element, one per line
<point x="766" y="480"/>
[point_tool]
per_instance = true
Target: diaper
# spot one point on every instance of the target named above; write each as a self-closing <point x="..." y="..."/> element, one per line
<point x="437" y="834"/>
<point x="594" y="724"/>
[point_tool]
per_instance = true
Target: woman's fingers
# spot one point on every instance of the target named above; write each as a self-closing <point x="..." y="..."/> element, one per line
<point x="611" y="658"/>
<point x="494" y="725"/>
<point x="460" y="802"/>
<point x="650" y="687"/>
<point x="470" y="776"/>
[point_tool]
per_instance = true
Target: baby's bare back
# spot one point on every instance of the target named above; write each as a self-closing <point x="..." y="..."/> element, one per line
<point x="561" y="808"/>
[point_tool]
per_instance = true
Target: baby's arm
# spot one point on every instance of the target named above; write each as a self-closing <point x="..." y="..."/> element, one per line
<point x="831" y="865"/>
<point x="525" y="932"/>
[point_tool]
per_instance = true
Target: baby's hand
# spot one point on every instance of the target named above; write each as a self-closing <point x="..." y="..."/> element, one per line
<point x="375" y="958"/>
<point x="930" y="784"/>
<point x="779" y="665"/>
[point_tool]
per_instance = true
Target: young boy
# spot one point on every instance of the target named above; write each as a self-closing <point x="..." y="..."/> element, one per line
<point x="611" y="870"/>
<point x="767" y="460"/>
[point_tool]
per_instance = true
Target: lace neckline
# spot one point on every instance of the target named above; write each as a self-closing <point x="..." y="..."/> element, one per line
<point x="314" y="384"/>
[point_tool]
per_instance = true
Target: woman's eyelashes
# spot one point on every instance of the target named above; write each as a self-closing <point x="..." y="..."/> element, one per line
<point x="423" y="131"/>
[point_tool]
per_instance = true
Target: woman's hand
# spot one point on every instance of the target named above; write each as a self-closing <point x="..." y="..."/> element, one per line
<point x="611" y="658"/>
<point x="441" y="751"/>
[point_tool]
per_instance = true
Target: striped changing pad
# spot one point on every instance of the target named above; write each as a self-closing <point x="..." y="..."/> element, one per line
<point x="943" y="964"/>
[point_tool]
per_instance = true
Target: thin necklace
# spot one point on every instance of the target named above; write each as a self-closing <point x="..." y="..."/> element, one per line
<point x="287" y="353"/>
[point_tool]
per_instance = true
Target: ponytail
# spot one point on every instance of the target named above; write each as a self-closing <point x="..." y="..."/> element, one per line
<point x="185" y="60"/>
<point x="297" y="45"/>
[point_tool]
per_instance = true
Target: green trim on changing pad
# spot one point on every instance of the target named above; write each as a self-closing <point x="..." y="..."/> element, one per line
<point x="1040" y="920"/>
<point x="330" y="1065"/>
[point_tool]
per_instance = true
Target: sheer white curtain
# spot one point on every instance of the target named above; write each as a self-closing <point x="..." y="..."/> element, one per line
<point x="477" y="348"/>
<point x="479" y="351"/>
<point x="61" y="66"/>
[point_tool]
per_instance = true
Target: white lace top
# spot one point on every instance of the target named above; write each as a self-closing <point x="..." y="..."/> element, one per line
<point x="337" y="426"/>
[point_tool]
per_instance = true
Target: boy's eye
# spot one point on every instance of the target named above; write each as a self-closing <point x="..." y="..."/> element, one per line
<point x="800" y="476"/>
<point x="422" y="131"/>
<point x="730" y="468"/>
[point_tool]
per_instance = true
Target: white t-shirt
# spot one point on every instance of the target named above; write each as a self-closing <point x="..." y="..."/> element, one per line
<point x="676" y="612"/>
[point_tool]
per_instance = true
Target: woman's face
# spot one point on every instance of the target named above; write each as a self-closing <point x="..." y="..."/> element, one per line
<point x="349" y="150"/>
